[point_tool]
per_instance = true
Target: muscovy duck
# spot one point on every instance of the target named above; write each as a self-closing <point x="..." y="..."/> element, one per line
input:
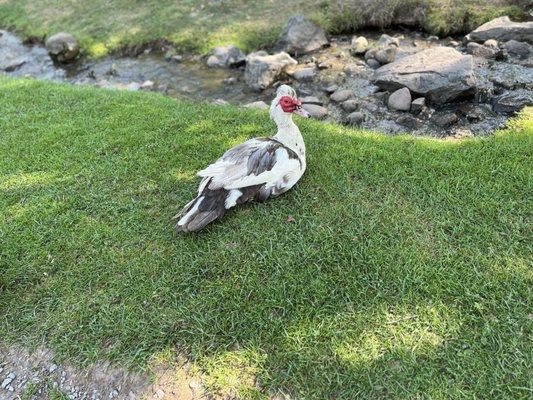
<point x="251" y="171"/>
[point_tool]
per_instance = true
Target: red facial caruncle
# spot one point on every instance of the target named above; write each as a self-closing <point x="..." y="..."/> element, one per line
<point x="288" y="104"/>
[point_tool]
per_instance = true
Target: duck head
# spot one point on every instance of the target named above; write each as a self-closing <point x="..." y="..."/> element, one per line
<point x="285" y="104"/>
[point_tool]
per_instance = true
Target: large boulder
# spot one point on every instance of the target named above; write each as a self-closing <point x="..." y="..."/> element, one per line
<point x="440" y="74"/>
<point x="263" y="69"/>
<point x="503" y="29"/>
<point x="226" y="57"/>
<point x="63" y="47"/>
<point x="301" y="36"/>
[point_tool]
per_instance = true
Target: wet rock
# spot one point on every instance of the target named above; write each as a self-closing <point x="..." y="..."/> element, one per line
<point x="503" y="29"/>
<point x="479" y="50"/>
<point x="387" y="55"/>
<point x="355" y="118"/>
<point x="350" y="105"/>
<point x="444" y="120"/>
<point x="359" y="45"/>
<point x="418" y="105"/>
<point x="226" y="57"/>
<point x="342" y="95"/>
<point x="441" y="74"/>
<point x="262" y="69"/>
<point x="301" y="36"/>
<point x="315" y="110"/>
<point x="513" y="101"/>
<point x="373" y="63"/>
<point x="305" y="74"/>
<point x="511" y="76"/>
<point x="400" y="100"/>
<point x="517" y="49"/>
<point x="63" y="47"/>
<point x="260" y="105"/>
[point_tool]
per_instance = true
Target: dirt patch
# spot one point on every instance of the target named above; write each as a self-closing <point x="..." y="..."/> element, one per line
<point x="35" y="375"/>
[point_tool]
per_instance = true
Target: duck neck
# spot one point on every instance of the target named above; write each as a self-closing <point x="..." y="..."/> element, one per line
<point x="289" y="134"/>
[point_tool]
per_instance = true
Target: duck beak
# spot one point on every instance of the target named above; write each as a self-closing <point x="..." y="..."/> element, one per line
<point x="301" y="112"/>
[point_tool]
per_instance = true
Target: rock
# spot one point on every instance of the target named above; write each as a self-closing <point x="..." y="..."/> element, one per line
<point x="432" y="38"/>
<point x="350" y="105"/>
<point x="177" y="58"/>
<point x="418" y="105"/>
<point x="400" y="100"/>
<point x="331" y="88"/>
<point x="373" y="63"/>
<point x="324" y="65"/>
<point x="342" y="95"/>
<point x="444" y="120"/>
<point x="260" y="105"/>
<point x="474" y="112"/>
<point x="492" y="43"/>
<point x="387" y="41"/>
<point x="355" y="118"/>
<point x="52" y="368"/>
<point x="503" y="29"/>
<point x="301" y="36"/>
<point x="315" y="110"/>
<point x="226" y="57"/>
<point x="441" y="74"/>
<point x="262" y="69"/>
<point x="7" y="381"/>
<point x="220" y="102"/>
<point x="230" y="81"/>
<point x="517" y="49"/>
<point x="511" y="76"/>
<point x="479" y="50"/>
<point x="63" y="47"/>
<point x="387" y="55"/>
<point x="512" y="102"/>
<point x="311" y="99"/>
<point x="359" y="45"/>
<point x="305" y="74"/>
<point x="146" y="85"/>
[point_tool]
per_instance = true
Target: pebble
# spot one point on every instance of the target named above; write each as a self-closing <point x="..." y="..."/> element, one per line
<point x="341" y="95"/>
<point x="373" y="63"/>
<point x="350" y="105"/>
<point x="52" y="368"/>
<point x="331" y="88"/>
<point x="355" y="118"/>
<point x="324" y="65"/>
<point x="305" y="74"/>
<point x="159" y="394"/>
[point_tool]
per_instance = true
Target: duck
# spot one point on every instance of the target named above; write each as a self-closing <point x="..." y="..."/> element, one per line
<point x="252" y="171"/>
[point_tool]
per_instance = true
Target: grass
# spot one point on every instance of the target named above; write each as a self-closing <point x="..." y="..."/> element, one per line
<point x="406" y="272"/>
<point x="105" y="26"/>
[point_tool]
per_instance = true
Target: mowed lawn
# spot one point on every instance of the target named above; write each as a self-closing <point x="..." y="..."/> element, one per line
<point x="104" y="26"/>
<point x="406" y="270"/>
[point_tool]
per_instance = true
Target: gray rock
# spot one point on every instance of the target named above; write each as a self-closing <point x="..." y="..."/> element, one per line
<point x="301" y="36"/>
<point x="512" y="102"/>
<point x="418" y="105"/>
<point x="305" y="74"/>
<point x="324" y="65"/>
<point x="517" y="49"/>
<point x="479" y="50"/>
<point x="52" y="368"/>
<point x="226" y="57"/>
<point x="315" y="110"/>
<point x="359" y="45"/>
<point x="220" y="102"/>
<point x="63" y="47"/>
<point x="511" y="76"/>
<point x="400" y="100"/>
<point x="373" y="63"/>
<point x="342" y="95"/>
<point x="331" y="88"/>
<point x="262" y="69"/>
<point x="503" y="29"/>
<point x="441" y="74"/>
<point x="350" y="105"/>
<point x="387" y="55"/>
<point x="444" y="120"/>
<point x="355" y="118"/>
<point x="386" y="41"/>
<point x="311" y="99"/>
<point x="260" y="105"/>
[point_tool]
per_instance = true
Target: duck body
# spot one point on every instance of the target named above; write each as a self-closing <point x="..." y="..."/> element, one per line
<point x="252" y="171"/>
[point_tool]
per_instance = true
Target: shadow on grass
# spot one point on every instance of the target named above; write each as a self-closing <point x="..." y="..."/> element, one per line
<point x="404" y="273"/>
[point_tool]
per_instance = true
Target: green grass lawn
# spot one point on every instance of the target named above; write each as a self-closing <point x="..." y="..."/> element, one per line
<point x="406" y="272"/>
<point x="199" y="25"/>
